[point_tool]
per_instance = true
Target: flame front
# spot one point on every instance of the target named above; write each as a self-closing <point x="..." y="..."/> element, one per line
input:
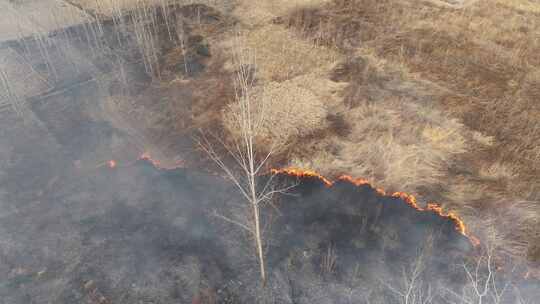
<point x="111" y="164"/>
<point x="156" y="163"/>
<point x="407" y="198"/>
<point x="303" y="174"/>
<point x="146" y="156"/>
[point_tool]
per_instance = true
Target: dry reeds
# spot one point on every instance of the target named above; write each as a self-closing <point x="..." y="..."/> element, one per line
<point x="282" y="55"/>
<point x="286" y="111"/>
<point x="393" y="147"/>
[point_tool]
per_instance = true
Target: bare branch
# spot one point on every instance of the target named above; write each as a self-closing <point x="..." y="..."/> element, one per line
<point x="239" y="224"/>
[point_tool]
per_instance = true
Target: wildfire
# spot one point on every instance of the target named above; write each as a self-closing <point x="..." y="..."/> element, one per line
<point x="112" y="164"/>
<point x="156" y="163"/>
<point x="109" y="164"/>
<point x="146" y="156"/>
<point x="407" y="198"/>
<point x="303" y="174"/>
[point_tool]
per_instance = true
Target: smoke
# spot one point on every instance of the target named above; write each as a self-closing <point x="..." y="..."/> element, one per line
<point x="74" y="233"/>
<point x="76" y="229"/>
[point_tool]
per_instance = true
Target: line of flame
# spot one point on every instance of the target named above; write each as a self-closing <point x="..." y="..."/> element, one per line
<point x="146" y="156"/>
<point x="407" y="198"/>
<point x="300" y="173"/>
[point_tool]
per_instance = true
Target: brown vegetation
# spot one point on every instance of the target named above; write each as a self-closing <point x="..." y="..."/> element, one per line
<point x="437" y="100"/>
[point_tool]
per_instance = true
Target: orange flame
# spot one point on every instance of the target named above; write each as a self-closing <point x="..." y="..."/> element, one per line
<point x="156" y="163"/>
<point x="146" y="156"/>
<point x="303" y="174"/>
<point x="407" y="198"/>
<point x="111" y="164"/>
<point x="360" y="182"/>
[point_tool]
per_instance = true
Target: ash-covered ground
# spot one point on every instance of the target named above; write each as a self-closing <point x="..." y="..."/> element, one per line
<point x="138" y="234"/>
<point x="74" y="233"/>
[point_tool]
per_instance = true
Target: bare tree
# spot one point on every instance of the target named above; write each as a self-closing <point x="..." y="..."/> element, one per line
<point x="143" y="20"/>
<point x="248" y="161"/>
<point x="411" y="288"/>
<point x="16" y="102"/>
<point x="482" y="286"/>
<point x="181" y="37"/>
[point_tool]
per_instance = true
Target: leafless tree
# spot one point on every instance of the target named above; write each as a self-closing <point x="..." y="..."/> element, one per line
<point x="181" y="36"/>
<point x="411" y="288"/>
<point x="249" y="163"/>
<point x="16" y="102"/>
<point x="483" y="286"/>
<point x="144" y="22"/>
<point x="165" y="12"/>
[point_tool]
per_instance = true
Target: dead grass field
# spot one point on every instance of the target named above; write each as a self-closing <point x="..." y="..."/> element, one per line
<point x="297" y="111"/>
<point x="436" y="100"/>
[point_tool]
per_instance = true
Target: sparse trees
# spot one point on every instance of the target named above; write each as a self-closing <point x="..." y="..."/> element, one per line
<point x="181" y="39"/>
<point x="9" y="97"/>
<point x="483" y="286"/>
<point x="483" y="283"/>
<point x="144" y="21"/>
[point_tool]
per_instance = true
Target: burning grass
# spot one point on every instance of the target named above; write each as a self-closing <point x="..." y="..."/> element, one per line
<point x="479" y="64"/>
<point x="390" y="145"/>
<point x="406" y="198"/>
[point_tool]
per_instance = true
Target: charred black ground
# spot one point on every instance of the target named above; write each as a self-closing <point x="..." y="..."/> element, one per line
<point x="95" y="234"/>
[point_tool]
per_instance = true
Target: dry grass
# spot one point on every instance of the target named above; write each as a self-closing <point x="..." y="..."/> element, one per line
<point x="488" y="55"/>
<point x="390" y="144"/>
<point x="281" y="54"/>
<point x="510" y="226"/>
<point x="293" y="93"/>
<point x="498" y="171"/>
<point x="286" y="111"/>
<point x="521" y="5"/>
<point x="261" y="12"/>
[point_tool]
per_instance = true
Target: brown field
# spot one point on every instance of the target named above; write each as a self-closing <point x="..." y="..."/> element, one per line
<point x="438" y="100"/>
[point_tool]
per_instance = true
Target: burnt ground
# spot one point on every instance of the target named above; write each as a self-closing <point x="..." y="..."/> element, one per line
<point x="71" y="232"/>
<point x="101" y="70"/>
<point x="76" y="234"/>
<point x="73" y="235"/>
